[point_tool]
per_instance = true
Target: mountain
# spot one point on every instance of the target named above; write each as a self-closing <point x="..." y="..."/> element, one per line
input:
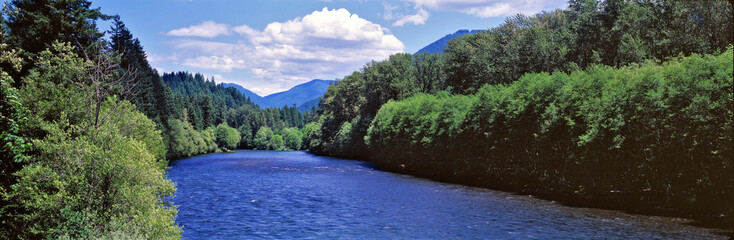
<point x="308" y="106"/>
<point x="440" y="44"/>
<point x="299" y="95"/>
<point x="257" y="99"/>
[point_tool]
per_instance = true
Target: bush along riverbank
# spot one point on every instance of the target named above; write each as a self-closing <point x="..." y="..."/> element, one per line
<point x="651" y="138"/>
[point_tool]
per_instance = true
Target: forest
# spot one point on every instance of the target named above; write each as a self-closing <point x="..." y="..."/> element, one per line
<point x="627" y="102"/>
<point x="88" y="126"/>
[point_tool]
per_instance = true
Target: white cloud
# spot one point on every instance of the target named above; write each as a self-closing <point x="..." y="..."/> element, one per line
<point x="480" y="8"/>
<point x="261" y="88"/>
<point x="220" y="63"/>
<point x="417" y="19"/>
<point x="153" y="58"/>
<point x="245" y="30"/>
<point x="325" y="44"/>
<point x="207" y="29"/>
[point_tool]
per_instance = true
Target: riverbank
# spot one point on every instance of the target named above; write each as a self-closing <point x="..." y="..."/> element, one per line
<point x="642" y="203"/>
<point x="649" y="138"/>
<point x="294" y="194"/>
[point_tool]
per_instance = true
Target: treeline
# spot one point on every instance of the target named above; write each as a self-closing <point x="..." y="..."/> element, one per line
<point x="88" y="126"/>
<point x="661" y="132"/>
<point x="78" y="159"/>
<point x="585" y="129"/>
<point x="205" y="108"/>
<point x="587" y="33"/>
<point x="192" y="111"/>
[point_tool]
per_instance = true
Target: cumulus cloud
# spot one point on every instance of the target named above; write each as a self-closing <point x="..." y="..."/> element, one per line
<point x="479" y="8"/>
<point x="207" y="29"/>
<point x="325" y="44"/>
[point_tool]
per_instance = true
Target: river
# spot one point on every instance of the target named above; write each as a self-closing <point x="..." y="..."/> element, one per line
<point x="282" y="195"/>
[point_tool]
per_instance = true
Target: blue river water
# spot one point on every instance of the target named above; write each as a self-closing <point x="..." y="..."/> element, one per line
<point x="286" y="195"/>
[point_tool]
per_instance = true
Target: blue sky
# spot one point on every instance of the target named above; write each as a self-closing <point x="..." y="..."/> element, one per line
<point x="271" y="46"/>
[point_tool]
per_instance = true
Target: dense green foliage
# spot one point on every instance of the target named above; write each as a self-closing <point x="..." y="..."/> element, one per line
<point x="227" y="136"/>
<point x="660" y="131"/>
<point x="91" y="173"/>
<point x="87" y="126"/>
<point x="185" y="141"/>
<point x="284" y="139"/>
<point x="613" y="33"/>
<point x="33" y="25"/>
<point x="151" y="95"/>
<point x="12" y="144"/>
<point x="200" y="103"/>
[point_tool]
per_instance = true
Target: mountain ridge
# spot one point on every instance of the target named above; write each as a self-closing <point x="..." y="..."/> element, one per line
<point x="298" y="95"/>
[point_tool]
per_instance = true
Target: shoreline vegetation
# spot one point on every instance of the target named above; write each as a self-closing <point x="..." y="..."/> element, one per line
<point x="581" y="137"/>
<point x="88" y="126"/>
<point x="612" y="104"/>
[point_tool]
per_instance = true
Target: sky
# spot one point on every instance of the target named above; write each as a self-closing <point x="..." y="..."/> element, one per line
<point x="269" y="46"/>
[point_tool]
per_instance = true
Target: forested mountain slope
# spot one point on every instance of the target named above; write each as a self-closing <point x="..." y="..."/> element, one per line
<point x="297" y="95"/>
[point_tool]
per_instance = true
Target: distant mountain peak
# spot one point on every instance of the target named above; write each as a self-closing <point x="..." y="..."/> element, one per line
<point x="439" y="45"/>
<point x="298" y="95"/>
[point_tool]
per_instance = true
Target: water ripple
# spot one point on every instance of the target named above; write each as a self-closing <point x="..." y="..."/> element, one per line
<point x="296" y="195"/>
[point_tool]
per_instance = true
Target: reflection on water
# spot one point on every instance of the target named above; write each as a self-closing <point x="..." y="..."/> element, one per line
<point x="272" y="194"/>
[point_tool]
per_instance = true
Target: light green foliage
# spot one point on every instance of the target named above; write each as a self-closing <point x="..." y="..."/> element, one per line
<point x="312" y="136"/>
<point x="277" y="143"/>
<point x="136" y="125"/>
<point x="49" y="82"/>
<point x="342" y="138"/>
<point x="185" y="141"/>
<point x="286" y="139"/>
<point x="83" y="189"/>
<point x="86" y="180"/>
<point x="227" y="137"/>
<point x="293" y="138"/>
<point x="350" y="105"/>
<point x="588" y="32"/>
<point x="262" y="138"/>
<point x="664" y="131"/>
<point x="210" y="138"/>
<point x="426" y="123"/>
<point x="80" y="126"/>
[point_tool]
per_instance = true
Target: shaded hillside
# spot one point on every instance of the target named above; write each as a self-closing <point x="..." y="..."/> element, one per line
<point x="310" y="105"/>
<point x="299" y="95"/>
<point x="257" y="99"/>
